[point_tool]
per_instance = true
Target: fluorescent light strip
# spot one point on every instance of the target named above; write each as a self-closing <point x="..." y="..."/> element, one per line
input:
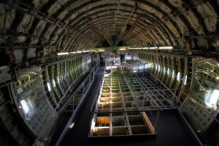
<point x="63" y="53"/>
<point x="152" y="48"/>
<point x="166" y="47"/>
<point x="101" y="50"/>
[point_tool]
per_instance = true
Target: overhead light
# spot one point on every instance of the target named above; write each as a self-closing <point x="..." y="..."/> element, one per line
<point x="79" y="51"/>
<point x="101" y="50"/>
<point x="152" y="48"/>
<point x="166" y="47"/>
<point x="63" y="53"/>
<point x="73" y="52"/>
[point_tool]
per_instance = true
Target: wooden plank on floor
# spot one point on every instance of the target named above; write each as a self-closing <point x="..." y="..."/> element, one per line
<point x="150" y="126"/>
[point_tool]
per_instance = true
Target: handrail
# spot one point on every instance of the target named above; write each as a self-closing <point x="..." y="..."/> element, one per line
<point x="64" y="95"/>
<point x="47" y="125"/>
<point x="73" y="115"/>
<point x="95" y="99"/>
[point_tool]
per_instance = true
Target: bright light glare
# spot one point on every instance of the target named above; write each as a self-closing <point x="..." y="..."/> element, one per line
<point x="147" y="65"/>
<point x="63" y="53"/>
<point x="173" y="73"/>
<point x="166" y="47"/>
<point x="158" y="68"/>
<point x="54" y="83"/>
<point x="24" y="106"/>
<point x="49" y="87"/>
<point x="101" y="50"/>
<point x="178" y="76"/>
<point x="73" y="52"/>
<point x="168" y="71"/>
<point x="58" y="80"/>
<point x="93" y="124"/>
<point x="185" y="79"/>
<point x="122" y="49"/>
<point x="152" y="47"/>
<point x="72" y="125"/>
<point x="211" y="99"/>
<point x="140" y="67"/>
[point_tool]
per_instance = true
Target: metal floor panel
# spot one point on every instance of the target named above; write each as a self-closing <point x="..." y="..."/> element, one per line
<point x="171" y="128"/>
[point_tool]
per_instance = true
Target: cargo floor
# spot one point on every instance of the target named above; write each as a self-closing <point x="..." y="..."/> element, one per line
<point x="171" y="129"/>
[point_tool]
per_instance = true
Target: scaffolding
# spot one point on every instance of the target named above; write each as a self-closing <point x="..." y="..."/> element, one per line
<point x="124" y="102"/>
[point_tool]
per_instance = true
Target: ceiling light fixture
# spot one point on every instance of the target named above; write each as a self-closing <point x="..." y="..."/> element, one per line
<point x="145" y="48"/>
<point x="166" y="47"/>
<point x="152" y="48"/>
<point x="63" y="53"/>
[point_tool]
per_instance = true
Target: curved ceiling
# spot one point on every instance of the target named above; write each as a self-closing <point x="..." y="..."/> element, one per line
<point x="70" y="25"/>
